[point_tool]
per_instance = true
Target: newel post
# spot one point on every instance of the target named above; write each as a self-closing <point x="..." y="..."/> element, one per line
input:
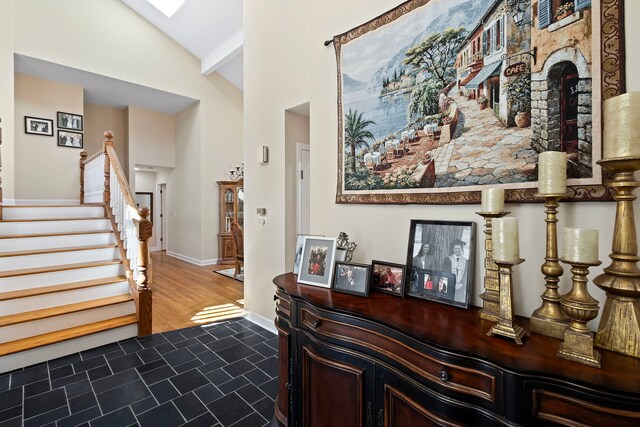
<point x="108" y="141"/>
<point x="143" y="281"/>
<point x="83" y="157"/>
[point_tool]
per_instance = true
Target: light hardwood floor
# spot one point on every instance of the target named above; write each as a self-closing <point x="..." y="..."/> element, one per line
<point x="187" y="295"/>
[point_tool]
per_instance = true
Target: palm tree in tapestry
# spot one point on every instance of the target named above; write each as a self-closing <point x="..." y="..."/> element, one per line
<point x="356" y="134"/>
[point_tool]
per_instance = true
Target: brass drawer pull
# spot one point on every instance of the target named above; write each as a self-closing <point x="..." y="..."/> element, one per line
<point x="275" y="297"/>
<point x="288" y="385"/>
<point x="444" y="375"/>
<point x="315" y="324"/>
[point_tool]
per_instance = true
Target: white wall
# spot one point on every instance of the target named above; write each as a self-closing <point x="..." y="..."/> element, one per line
<point x="107" y="38"/>
<point x="45" y="171"/>
<point x="278" y="71"/>
<point x="101" y="118"/>
<point x="277" y="76"/>
<point x="296" y="132"/>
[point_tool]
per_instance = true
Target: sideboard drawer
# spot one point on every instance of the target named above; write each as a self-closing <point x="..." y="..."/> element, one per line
<point x="549" y="406"/>
<point x="444" y="372"/>
<point x="283" y="303"/>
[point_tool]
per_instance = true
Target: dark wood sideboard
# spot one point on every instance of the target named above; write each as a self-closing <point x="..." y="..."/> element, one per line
<point x="386" y="361"/>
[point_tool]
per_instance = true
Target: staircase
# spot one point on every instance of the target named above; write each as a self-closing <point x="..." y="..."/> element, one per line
<point x="63" y="287"/>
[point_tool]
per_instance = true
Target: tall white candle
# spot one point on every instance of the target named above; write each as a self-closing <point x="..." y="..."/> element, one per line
<point x="580" y="245"/>
<point x="506" y="245"/>
<point x="493" y="200"/>
<point x="552" y="172"/>
<point x="621" y="134"/>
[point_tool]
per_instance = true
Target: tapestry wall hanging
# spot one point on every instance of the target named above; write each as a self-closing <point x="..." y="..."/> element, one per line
<point x="438" y="99"/>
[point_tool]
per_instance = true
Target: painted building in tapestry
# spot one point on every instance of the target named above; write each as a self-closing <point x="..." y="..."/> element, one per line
<point x="498" y="43"/>
<point x="561" y="82"/>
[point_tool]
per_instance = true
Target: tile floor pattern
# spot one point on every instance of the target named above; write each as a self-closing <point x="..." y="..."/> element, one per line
<point x="223" y="374"/>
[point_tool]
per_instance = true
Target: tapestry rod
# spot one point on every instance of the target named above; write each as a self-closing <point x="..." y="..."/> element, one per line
<point x="328" y="42"/>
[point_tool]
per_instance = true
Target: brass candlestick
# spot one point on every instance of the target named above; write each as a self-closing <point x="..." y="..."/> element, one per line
<point x="580" y="307"/>
<point x="619" y="328"/>
<point x="491" y="295"/>
<point x="549" y="319"/>
<point x="505" y="325"/>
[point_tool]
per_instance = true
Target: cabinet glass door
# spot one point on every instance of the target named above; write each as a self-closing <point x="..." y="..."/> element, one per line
<point x="241" y="207"/>
<point x="228" y="208"/>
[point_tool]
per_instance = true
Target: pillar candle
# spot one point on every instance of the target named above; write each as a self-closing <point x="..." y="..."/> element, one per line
<point x="580" y="245"/>
<point x="621" y="136"/>
<point x="493" y="200"/>
<point x="552" y="172"/>
<point x="506" y="246"/>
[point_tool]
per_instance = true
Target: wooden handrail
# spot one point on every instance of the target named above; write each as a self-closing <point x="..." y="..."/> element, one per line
<point x="91" y="157"/>
<point x="123" y="213"/>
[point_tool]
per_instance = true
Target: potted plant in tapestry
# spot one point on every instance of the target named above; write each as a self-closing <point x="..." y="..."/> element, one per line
<point x="519" y="89"/>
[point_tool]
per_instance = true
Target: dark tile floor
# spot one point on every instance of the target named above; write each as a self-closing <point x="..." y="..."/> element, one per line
<point x="223" y="374"/>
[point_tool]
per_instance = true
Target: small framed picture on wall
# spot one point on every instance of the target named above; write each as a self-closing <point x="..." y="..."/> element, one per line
<point x="69" y="139"/>
<point x="69" y="121"/>
<point x="38" y="126"/>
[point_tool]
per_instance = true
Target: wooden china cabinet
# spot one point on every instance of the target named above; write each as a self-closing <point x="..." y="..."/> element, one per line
<point x="231" y="210"/>
<point x="385" y="361"/>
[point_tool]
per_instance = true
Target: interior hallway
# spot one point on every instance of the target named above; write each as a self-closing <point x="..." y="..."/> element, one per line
<point x="187" y="295"/>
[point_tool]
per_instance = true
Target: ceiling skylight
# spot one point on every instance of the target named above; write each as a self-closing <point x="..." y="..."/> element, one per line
<point x="167" y="7"/>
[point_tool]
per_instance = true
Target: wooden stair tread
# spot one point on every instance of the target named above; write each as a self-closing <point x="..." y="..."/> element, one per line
<point x="62" y="267"/>
<point x="88" y="205"/>
<point x="64" y="233"/>
<point x="43" y="290"/>
<point x="53" y="219"/>
<point x="65" y="334"/>
<point x="56" y="250"/>
<point x="45" y="313"/>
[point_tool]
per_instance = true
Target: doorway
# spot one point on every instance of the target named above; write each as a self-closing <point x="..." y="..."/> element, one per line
<point x="569" y="110"/>
<point x="304" y="202"/>
<point x="163" y="216"/>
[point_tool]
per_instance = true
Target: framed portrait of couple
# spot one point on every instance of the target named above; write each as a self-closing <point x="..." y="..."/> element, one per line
<point x="440" y="261"/>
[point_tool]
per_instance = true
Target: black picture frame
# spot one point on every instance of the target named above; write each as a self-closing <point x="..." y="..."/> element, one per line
<point x="38" y="126"/>
<point x="361" y="276"/>
<point x="70" y="139"/>
<point x="380" y="276"/>
<point x="441" y="250"/>
<point x="70" y="121"/>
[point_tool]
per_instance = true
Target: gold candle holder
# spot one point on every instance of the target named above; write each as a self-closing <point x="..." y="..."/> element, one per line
<point x="505" y="326"/>
<point x="491" y="295"/>
<point x="549" y="319"/>
<point x="581" y="307"/>
<point x="619" y="328"/>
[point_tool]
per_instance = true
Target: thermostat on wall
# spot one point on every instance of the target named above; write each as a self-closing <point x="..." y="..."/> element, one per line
<point x="263" y="154"/>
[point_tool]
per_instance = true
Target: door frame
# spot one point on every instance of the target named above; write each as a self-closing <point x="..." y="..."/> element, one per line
<point x="299" y="147"/>
<point x="162" y="193"/>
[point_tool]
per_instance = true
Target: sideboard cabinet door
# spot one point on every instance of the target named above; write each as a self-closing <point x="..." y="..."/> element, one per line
<point x="336" y="388"/>
<point x="283" y="403"/>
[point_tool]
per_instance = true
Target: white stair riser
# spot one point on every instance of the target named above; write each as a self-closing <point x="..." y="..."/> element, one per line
<point x="45" y="227"/>
<point x="53" y="212"/>
<point x="38" y="302"/>
<point x="28" y="281"/>
<point x="52" y="242"/>
<point x="64" y="348"/>
<point x="58" y="258"/>
<point x="65" y="321"/>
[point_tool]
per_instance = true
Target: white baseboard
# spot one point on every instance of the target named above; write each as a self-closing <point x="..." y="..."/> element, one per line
<point x="44" y="202"/>
<point x="8" y="202"/>
<point x="198" y="262"/>
<point x="261" y="321"/>
<point x="155" y="249"/>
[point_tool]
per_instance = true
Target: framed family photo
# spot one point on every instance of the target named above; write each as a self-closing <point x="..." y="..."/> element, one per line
<point x="69" y="139"/>
<point x="439" y="99"/>
<point x="298" y="257"/>
<point x="388" y="277"/>
<point x="38" y="126"/>
<point x="70" y="121"/>
<point x="317" y="262"/>
<point x="351" y="278"/>
<point x="440" y="261"/>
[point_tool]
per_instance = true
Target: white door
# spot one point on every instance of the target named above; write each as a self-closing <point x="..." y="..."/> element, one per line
<point x="163" y="217"/>
<point x="304" y="176"/>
